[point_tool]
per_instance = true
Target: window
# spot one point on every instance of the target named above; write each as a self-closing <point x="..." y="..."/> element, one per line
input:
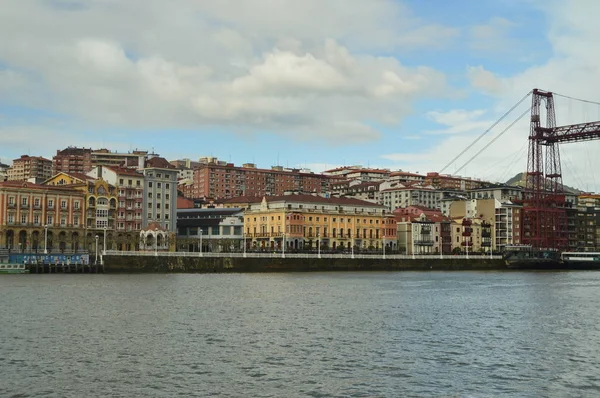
<point x="167" y="186"/>
<point x="166" y="205"/>
<point x="158" y="175"/>
<point x="24" y="201"/>
<point x="76" y="221"/>
<point x="63" y="221"/>
<point x="150" y="184"/>
<point x="167" y="196"/>
<point x="101" y="213"/>
<point x="158" y="205"/>
<point x="129" y="182"/>
<point x="11" y="218"/>
<point x="50" y="220"/>
<point x="36" y="219"/>
<point x="149" y="195"/>
<point x="36" y="202"/>
<point x="120" y="181"/>
<point x="11" y="200"/>
<point x="149" y="216"/>
<point x="159" y="185"/>
<point x="63" y="204"/>
<point x="101" y="223"/>
<point x="76" y="205"/>
<point x="158" y="196"/>
<point x="23" y="218"/>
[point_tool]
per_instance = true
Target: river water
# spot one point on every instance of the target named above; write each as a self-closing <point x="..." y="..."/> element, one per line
<point x="369" y="334"/>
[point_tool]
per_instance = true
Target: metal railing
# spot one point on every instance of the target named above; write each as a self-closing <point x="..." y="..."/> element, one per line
<point x="279" y="254"/>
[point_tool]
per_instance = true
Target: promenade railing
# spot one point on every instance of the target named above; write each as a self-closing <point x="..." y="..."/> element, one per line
<point x="301" y="255"/>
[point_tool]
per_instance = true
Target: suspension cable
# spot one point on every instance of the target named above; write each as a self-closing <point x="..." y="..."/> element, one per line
<point x="485" y="132"/>
<point x="577" y="99"/>
<point x="494" y="139"/>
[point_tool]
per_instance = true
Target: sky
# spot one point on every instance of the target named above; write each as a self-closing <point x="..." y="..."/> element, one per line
<point x="396" y="84"/>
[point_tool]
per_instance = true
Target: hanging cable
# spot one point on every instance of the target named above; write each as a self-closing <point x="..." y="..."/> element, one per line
<point x="485" y="132"/>
<point x="494" y="139"/>
<point x="576" y="99"/>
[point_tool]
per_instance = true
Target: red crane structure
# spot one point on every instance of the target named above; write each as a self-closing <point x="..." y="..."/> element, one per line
<point x="544" y="215"/>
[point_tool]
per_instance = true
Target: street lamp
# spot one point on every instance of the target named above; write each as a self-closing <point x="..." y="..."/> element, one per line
<point x="384" y="247"/>
<point x="97" y="249"/>
<point x="319" y="245"/>
<point x="244" y="235"/>
<point x="104" y="247"/>
<point x="200" y="241"/>
<point x="352" y="245"/>
<point x="283" y="246"/>
<point x="46" y="239"/>
<point x="441" y="247"/>
<point x="156" y="241"/>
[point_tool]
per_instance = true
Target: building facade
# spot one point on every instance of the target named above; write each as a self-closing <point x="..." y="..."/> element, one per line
<point x="160" y="191"/>
<point x="217" y="181"/>
<point x="210" y="230"/>
<point x="313" y="222"/>
<point x="72" y="160"/>
<point x="30" y="167"/>
<point x="38" y="218"/>
<point x="588" y="223"/>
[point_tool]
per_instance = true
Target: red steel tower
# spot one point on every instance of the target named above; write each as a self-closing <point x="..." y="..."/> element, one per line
<point x="544" y="218"/>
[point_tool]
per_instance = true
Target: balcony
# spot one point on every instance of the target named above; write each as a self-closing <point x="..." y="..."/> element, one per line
<point x="12" y="206"/>
<point x="425" y="242"/>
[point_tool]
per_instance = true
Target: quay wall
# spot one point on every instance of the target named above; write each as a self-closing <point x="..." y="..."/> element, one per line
<point x="169" y="264"/>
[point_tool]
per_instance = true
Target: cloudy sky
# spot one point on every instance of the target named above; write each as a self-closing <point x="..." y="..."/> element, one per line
<point x="398" y="84"/>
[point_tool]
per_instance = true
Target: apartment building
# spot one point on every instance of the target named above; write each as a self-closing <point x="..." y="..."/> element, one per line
<point x="160" y="194"/>
<point x="588" y="223"/>
<point x="72" y="160"/>
<point x="503" y="218"/>
<point x="129" y="185"/>
<point x="313" y="222"/>
<point x="399" y="196"/>
<point x="34" y="217"/>
<point x="100" y="206"/>
<point x="423" y="230"/>
<point x="447" y="181"/>
<point x="27" y="167"/>
<point x="217" y="180"/>
<point x="132" y="160"/>
<point x="4" y="172"/>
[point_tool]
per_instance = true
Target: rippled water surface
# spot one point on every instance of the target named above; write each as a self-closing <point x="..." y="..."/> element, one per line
<point x="431" y="334"/>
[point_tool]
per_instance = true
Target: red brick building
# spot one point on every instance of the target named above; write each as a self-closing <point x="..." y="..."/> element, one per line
<point x="228" y="181"/>
<point x="72" y="160"/>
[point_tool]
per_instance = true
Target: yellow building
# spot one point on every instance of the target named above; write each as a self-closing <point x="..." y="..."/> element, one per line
<point x="100" y="207"/>
<point x="37" y="219"/>
<point x="311" y="222"/>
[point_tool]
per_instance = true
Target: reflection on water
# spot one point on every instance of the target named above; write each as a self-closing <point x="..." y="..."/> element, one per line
<point x="305" y="334"/>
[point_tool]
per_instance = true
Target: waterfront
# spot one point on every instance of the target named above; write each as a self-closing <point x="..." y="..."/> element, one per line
<point x="368" y="334"/>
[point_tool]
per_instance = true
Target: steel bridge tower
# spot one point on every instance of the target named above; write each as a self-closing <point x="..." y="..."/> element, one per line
<point x="544" y="217"/>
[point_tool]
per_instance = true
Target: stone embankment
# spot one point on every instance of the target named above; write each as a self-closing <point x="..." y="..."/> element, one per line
<point x="171" y="264"/>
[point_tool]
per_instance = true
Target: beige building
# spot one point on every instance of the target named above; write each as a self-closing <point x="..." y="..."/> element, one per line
<point x="311" y="222"/>
<point x="30" y="167"/>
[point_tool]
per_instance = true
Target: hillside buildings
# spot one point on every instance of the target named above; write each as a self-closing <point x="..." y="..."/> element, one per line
<point x="217" y="179"/>
<point x="33" y="168"/>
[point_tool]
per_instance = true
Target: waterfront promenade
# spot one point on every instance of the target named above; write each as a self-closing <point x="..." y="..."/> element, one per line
<point x="204" y="262"/>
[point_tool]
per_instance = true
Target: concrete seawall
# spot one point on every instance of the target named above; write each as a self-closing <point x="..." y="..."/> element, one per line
<point x="167" y="264"/>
